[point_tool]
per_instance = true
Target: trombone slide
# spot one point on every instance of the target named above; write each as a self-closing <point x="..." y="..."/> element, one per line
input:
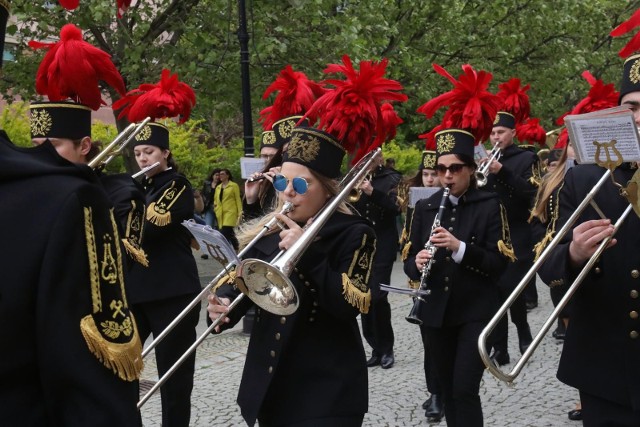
<point x="486" y="332"/>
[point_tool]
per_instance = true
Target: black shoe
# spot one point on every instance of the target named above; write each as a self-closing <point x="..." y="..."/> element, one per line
<point x="500" y="358"/>
<point x="204" y="256"/>
<point x="558" y="334"/>
<point x="387" y="360"/>
<point x="575" y="414"/>
<point x="435" y="411"/>
<point x="524" y="338"/>
<point x="531" y="305"/>
<point x="426" y="403"/>
<point x="373" y="361"/>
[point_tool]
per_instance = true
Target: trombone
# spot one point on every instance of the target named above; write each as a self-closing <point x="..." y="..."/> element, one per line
<point x="267" y="284"/>
<point x="484" y="335"/>
<point x="116" y="146"/>
<point x="483" y="171"/>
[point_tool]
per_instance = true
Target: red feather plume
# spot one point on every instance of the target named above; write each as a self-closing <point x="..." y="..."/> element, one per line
<point x="167" y="98"/>
<point x="72" y="68"/>
<point x="123" y="5"/>
<point x="634" y="44"/>
<point x="531" y="131"/>
<point x="430" y="137"/>
<point x="471" y="106"/>
<point x="296" y="95"/>
<point x="69" y="4"/>
<point x="515" y="99"/>
<point x="563" y="139"/>
<point x="352" y="111"/>
<point x="600" y="96"/>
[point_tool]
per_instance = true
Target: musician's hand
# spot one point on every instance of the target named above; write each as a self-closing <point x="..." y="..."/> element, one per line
<point x="422" y="258"/>
<point x="586" y="239"/>
<point x="289" y="235"/>
<point x="252" y="189"/>
<point x="366" y="187"/>
<point x="495" y="167"/>
<point x="217" y="307"/>
<point x="442" y="238"/>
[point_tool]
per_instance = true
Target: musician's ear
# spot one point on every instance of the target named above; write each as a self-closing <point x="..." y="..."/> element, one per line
<point x="85" y="145"/>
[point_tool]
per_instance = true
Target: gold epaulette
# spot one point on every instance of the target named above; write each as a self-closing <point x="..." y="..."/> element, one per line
<point x="136" y="252"/>
<point x="504" y="245"/>
<point x="414" y="284"/>
<point x="355" y="281"/>
<point x="405" y="251"/>
<point x="355" y="295"/>
<point x="229" y="278"/>
<point x="159" y="212"/>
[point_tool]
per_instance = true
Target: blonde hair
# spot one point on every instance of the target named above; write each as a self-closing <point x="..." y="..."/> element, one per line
<point x="549" y="183"/>
<point x="247" y="231"/>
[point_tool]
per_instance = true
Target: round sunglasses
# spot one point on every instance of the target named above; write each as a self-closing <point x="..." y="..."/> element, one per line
<point x="299" y="184"/>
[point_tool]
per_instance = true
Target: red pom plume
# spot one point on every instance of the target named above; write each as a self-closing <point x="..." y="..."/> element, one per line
<point x="563" y="139"/>
<point x="628" y="25"/>
<point x="531" y="131"/>
<point x="352" y="111"/>
<point x="296" y="95"/>
<point x="123" y="5"/>
<point x="167" y="98"/>
<point x="515" y="99"/>
<point x="471" y="105"/>
<point x="69" y="4"/>
<point x="600" y="96"/>
<point x="430" y="138"/>
<point x="72" y="68"/>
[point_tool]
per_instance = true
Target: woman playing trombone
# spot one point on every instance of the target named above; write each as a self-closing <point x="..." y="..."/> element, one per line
<point x="308" y="368"/>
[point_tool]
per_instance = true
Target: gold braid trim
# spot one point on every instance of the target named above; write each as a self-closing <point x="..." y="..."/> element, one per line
<point x="536" y="176"/>
<point x="405" y="251"/>
<point x="551" y="228"/>
<point x="414" y="284"/>
<point x="229" y="278"/>
<point x="137" y="253"/>
<point x="125" y="360"/>
<point x="404" y="235"/>
<point x="157" y="213"/>
<point x="92" y="255"/>
<point x="354" y="296"/>
<point x="504" y="246"/>
<point x="157" y="218"/>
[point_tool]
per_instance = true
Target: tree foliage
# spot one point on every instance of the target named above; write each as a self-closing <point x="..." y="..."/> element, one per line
<point x="547" y="44"/>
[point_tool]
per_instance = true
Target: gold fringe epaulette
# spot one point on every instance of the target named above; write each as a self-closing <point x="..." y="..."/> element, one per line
<point x="124" y="359"/>
<point x="354" y="296"/>
<point x="539" y="247"/>
<point x="414" y="284"/>
<point x="506" y="249"/>
<point x="405" y="251"/>
<point x="157" y="218"/>
<point x="229" y="278"/>
<point x="135" y="252"/>
<point x="403" y="236"/>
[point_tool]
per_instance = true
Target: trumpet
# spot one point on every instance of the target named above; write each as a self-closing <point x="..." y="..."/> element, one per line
<point x="104" y="157"/>
<point x="267" y="284"/>
<point x="483" y="171"/>
<point x="486" y="332"/>
<point x="414" y="314"/>
<point x="356" y="192"/>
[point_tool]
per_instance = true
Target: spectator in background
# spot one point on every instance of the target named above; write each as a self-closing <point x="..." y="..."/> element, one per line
<point x="207" y="195"/>
<point x="227" y="206"/>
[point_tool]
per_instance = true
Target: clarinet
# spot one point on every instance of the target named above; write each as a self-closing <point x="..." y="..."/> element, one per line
<point x="414" y="315"/>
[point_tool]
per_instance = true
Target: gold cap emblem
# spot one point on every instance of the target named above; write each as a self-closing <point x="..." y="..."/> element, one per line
<point x="41" y="122"/>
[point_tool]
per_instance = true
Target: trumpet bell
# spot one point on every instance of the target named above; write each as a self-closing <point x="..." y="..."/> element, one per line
<point x="481" y="179"/>
<point x="267" y="286"/>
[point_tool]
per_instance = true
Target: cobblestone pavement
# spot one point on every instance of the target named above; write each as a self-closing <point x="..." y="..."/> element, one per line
<point x="536" y="399"/>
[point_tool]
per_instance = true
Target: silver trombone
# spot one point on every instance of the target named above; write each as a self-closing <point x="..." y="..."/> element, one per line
<point x="116" y="146"/>
<point x="483" y="171"/>
<point x="486" y="332"/>
<point x="267" y="284"/>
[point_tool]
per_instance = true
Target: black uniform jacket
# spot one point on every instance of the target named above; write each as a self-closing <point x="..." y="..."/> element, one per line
<point x="516" y="186"/>
<point x="465" y="292"/>
<point x="52" y="211"/>
<point x="172" y="269"/>
<point x="311" y="364"/>
<point x="602" y="348"/>
<point x="382" y="209"/>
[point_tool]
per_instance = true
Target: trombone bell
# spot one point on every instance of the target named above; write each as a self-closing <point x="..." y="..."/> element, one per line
<point x="267" y="287"/>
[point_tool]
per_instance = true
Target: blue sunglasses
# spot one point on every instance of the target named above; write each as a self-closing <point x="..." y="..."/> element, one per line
<point x="299" y="184"/>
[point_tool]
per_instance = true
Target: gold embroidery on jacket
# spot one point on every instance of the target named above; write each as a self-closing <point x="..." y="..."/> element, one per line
<point x="159" y="213"/>
<point x="355" y="282"/>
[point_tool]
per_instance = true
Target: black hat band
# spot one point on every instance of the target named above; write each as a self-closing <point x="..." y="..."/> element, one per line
<point x="454" y="141"/>
<point x="505" y="119"/>
<point x="152" y="134"/>
<point x="60" y="120"/>
<point x="316" y="150"/>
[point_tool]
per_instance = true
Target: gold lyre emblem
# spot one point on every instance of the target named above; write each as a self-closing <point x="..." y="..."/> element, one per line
<point x="608" y="147"/>
<point x="108" y="268"/>
<point x="217" y="253"/>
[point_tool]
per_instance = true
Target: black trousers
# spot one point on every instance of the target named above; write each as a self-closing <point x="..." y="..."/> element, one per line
<point x="153" y="317"/>
<point x="460" y="369"/>
<point x="598" y="412"/>
<point x="430" y="372"/>
<point x="376" y="325"/>
<point x="508" y="281"/>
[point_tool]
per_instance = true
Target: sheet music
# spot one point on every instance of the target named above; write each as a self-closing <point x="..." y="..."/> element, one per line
<point x="213" y="244"/>
<point x="250" y="165"/>
<point x="613" y="127"/>
<point x="419" y="193"/>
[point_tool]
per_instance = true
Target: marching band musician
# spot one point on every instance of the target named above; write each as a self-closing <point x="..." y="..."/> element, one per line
<point x="514" y="178"/>
<point x="378" y="203"/>
<point x="605" y="308"/>
<point x="162" y="290"/>
<point x="426" y="177"/>
<point x="473" y="248"/>
<point x="314" y="359"/>
<point x="75" y="358"/>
